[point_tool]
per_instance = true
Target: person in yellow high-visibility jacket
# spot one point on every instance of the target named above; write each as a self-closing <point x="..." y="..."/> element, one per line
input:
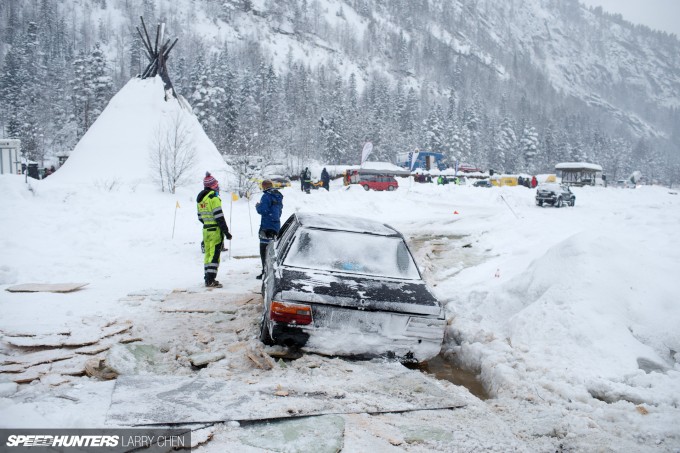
<point x="214" y="228"/>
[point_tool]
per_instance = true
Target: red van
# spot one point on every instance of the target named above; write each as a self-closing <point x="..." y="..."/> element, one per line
<point x="375" y="182"/>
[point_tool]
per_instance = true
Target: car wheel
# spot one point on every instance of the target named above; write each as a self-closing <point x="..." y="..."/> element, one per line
<point x="573" y="202"/>
<point x="540" y="203"/>
<point x="390" y="188"/>
<point x="265" y="338"/>
<point x="366" y="187"/>
<point x="558" y="203"/>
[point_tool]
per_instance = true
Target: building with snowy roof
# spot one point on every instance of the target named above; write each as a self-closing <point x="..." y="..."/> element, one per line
<point x="579" y="173"/>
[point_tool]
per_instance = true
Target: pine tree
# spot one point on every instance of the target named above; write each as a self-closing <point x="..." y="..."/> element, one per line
<point x="11" y="88"/>
<point x="92" y="88"/>
<point x="81" y="95"/>
<point x="102" y="84"/>
<point x="529" y="148"/>
<point x="548" y="155"/>
<point x="506" y="144"/>
<point x="433" y="131"/>
<point x="227" y="112"/>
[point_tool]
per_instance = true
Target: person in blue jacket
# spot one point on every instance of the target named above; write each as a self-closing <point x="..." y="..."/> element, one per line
<point x="269" y="208"/>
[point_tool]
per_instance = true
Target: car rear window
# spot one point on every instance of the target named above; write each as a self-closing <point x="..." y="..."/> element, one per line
<point x="353" y="253"/>
<point x="549" y="186"/>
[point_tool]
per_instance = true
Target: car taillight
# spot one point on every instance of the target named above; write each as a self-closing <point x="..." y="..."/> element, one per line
<point x="290" y="313"/>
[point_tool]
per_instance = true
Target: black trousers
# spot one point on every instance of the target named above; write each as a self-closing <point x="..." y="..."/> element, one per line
<point x="263" y="253"/>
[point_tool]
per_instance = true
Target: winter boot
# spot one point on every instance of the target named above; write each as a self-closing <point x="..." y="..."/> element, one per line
<point x="213" y="284"/>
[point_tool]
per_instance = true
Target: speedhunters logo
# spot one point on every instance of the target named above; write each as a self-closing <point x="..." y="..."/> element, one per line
<point x="95" y="440"/>
<point x="61" y="441"/>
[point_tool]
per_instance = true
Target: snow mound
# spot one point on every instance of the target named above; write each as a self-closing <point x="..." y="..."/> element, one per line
<point x="607" y="328"/>
<point x="117" y="148"/>
<point x="602" y="329"/>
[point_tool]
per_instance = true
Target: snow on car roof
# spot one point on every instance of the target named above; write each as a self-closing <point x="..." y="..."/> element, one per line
<point x="548" y="185"/>
<point x="345" y="223"/>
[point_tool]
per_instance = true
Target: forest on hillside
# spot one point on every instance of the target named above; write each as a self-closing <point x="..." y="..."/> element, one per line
<point x="62" y="62"/>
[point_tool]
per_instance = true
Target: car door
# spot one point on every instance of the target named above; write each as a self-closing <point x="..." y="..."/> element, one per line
<point x="274" y="252"/>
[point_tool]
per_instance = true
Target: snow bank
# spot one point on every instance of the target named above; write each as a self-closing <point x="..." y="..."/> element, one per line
<point x="589" y="302"/>
<point x="570" y="315"/>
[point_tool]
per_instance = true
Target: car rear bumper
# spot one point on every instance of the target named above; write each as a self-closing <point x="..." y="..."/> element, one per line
<point x="547" y="199"/>
<point x="341" y="331"/>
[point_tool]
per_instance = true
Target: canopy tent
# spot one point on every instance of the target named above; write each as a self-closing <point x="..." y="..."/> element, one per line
<point x="379" y="168"/>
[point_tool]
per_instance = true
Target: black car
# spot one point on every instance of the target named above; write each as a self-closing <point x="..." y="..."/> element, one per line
<point x="554" y="194"/>
<point x="483" y="183"/>
<point x="341" y="285"/>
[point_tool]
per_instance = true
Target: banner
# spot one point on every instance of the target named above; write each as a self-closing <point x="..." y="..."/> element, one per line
<point x="414" y="159"/>
<point x="368" y="147"/>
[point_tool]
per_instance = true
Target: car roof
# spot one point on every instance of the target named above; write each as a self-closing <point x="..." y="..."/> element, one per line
<point x="345" y="223"/>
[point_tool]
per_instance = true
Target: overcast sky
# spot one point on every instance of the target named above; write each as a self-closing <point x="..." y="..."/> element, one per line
<point x="659" y="14"/>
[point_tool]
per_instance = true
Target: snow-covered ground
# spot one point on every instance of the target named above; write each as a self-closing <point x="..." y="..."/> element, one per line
<point x="570" y="316"/>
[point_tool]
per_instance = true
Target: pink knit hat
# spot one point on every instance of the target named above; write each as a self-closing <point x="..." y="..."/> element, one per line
<point x="210" y="182"/>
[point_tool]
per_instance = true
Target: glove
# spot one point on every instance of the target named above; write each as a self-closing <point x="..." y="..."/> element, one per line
<point x="228" y="236"/>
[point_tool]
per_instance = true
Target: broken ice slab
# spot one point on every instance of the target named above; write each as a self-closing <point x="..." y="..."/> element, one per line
<point x="261" y="359"/>
<point x="74" y="366"/>
<point x="322" y="434"/>
<point x="375" y="388"/>
<point x="422" y="434"/>
<point x="54" y="379"/>
<point x="138" y="359"/>
<point x="45" y="287"/>
<point x="205" y="302"/>
<point x="148" y="293"/>
<point x="36" y="358"/>
<point x="97" y="368"/>
<point x="83" y="337"/>
<point x="8" y="389"/>
<point x="205" y="357"/>
<point x="30" y="374"/>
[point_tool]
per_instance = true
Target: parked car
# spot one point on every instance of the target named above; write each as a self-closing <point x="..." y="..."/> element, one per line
<point x="555" y="195"/>
<point x="378" y="182"/>
<point x="626" y="184"/>
<point x="483" y="183"/>
<point x="280" y="182"/>
<point x="467" y="168"/>
<point x="340" y="285"/>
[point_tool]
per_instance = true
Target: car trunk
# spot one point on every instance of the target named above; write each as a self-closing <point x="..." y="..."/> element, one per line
<point x="357" y="291"/>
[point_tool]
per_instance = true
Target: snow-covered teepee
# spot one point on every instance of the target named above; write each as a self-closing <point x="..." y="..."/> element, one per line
<point x="120" y="146"/>
<point x="142" y="138"/>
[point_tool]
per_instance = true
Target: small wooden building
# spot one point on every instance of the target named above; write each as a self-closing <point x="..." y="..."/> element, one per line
<point x="579" y="173"/>
<point x="10" y="163"/>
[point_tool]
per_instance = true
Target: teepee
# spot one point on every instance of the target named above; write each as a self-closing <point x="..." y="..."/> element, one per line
<point x="135" y="139"/>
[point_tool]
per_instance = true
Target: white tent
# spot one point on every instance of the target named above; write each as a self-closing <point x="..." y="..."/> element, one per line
<point x="118" y="147"/>
<point x="385" y="168"/>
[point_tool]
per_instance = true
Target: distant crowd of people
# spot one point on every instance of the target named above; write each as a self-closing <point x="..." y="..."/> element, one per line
<point x="531" y="183"/>
<point x="270" y="208"/>
<point x="306" y="180"/>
